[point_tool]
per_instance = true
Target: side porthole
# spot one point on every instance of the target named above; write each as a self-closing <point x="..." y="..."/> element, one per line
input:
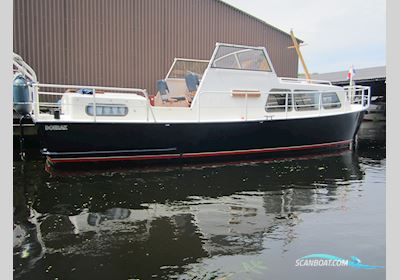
<point x="110" y="110"/>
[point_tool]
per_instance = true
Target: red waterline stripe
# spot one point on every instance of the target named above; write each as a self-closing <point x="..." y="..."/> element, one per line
<point x="194" y="155"/>
<point x="265" y="150"/>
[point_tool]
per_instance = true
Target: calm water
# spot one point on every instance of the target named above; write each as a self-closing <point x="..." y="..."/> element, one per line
<point x="244" y="220"/>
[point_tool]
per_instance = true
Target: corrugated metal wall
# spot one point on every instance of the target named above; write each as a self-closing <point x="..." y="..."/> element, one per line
<point x="131" y="43"/>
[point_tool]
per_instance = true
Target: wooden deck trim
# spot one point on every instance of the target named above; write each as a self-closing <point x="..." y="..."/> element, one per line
<point x="244" y="93"/>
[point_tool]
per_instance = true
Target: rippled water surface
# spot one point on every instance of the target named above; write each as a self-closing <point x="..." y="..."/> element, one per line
<point x="241" y="220"/>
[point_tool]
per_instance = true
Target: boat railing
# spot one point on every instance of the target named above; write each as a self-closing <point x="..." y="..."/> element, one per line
<point x="54" y="92"/>
<point x="304" y="81"/>
<point x="286" y="105"/>
<point x="20" y="66"/>
<point x="360" y="95"/>
<point x="57" y="91"/>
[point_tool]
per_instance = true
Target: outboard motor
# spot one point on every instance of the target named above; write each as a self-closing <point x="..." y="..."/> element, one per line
<point x="22" y="105"/>
<point x="21" y="96"/>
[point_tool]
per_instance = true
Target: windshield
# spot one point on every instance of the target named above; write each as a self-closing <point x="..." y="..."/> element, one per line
<point x="182" y="66"/>
<point x="229" y="57"/>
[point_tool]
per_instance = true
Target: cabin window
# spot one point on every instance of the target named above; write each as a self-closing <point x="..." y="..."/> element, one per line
<point x="306" y="100"/>
<point x="112" y="110"/>
<point x="330" y="100"/>
<point x="276" y="100"/>
<point x="229" y="57"/>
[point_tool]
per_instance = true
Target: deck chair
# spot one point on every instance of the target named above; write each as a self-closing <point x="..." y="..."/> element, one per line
<point x="192" y="81"/>
<point x="162" y="88"/>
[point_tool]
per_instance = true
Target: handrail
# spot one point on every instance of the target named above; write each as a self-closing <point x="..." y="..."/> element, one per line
<point x="365" y="99"/>
<point x="299" y="80"/>
<point x="24" y="67"/>
<point x="90" y="87"/>
<point x="27" y="71"/>
<point x="137" y="91"/>
<point x="249" y="107"/>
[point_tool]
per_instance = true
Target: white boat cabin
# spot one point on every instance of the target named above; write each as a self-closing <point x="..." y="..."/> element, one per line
<point x="239" y="83"/>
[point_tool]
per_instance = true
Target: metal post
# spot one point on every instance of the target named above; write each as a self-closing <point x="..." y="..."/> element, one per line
<point x="245" y="113"/>
<point x="286" y="104"/>
<point x="362" y="98"/>
<point x="148" y="105"/>
<point x="94" y="105"/>
<point x="319" y="103"/>
<point x="147" y="108"/>
<point x="36" y="107"/>
<point x="369" y="96"/>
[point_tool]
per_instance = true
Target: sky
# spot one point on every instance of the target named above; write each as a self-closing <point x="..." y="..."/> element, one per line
<point x="337" y="33"/>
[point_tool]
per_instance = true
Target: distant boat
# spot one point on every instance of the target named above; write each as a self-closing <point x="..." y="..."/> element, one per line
<point x="232" y="105"/>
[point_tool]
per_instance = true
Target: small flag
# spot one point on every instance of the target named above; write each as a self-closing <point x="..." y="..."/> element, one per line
<point x="351" y="73"/>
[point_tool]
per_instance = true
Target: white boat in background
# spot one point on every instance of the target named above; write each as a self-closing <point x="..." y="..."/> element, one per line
<point x="232" y="105"/>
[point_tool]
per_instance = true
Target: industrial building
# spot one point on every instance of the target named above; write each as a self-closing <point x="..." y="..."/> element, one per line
<point x="132" y="43"/>
<point x="374" y="77"/>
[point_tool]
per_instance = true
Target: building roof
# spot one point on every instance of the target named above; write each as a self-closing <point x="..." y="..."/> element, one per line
<point x="257" y="19"/>
<point x="371" y="73"/>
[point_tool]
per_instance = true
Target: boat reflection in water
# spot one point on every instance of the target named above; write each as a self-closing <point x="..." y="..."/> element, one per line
<point x="157" y="223"/>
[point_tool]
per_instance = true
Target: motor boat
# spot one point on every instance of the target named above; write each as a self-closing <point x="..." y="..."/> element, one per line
<point x="231" y="105"/>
